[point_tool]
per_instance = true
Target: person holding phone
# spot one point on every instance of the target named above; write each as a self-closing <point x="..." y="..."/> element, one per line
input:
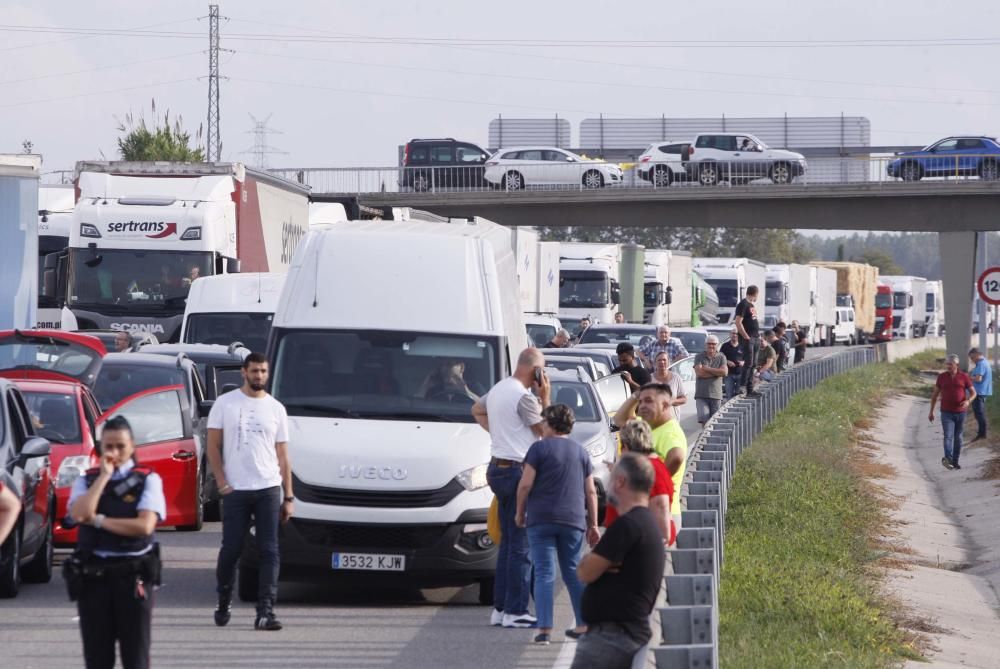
<point x="512" y="414"/>
<point x="634" y="374"/>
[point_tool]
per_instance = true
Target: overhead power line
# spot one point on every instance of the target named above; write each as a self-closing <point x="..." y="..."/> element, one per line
<point x="83" y="37"/>
<point x="25" y="103"/>
<point x="101" y="68"/>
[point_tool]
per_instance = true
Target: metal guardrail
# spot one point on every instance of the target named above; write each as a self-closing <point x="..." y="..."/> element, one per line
<point x="689" y="623"/>
<point x="598" y="174"/>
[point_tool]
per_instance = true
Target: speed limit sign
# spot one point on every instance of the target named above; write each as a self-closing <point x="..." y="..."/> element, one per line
<point x="989" y="285"/>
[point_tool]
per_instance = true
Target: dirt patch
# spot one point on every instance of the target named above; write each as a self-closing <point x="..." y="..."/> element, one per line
<point x="991" y="469"/>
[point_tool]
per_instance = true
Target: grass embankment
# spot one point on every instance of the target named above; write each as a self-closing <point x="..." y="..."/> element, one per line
<point x="799" y="585"/>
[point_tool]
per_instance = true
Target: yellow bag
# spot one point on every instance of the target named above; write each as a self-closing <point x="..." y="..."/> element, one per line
<point x="493" y="521"/>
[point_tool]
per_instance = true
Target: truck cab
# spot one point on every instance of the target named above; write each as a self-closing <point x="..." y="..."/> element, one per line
<point x="935" y="309"/>
<point x="883" y="313"/>
<point x="909" y="304"/>
<point x="730" y="278"/>
<point x="589" y="281"/>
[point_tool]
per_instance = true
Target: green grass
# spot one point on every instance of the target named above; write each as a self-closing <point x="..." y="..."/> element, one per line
<point x="798" y="589"/>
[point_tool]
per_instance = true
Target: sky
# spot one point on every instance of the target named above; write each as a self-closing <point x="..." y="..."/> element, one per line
<point x="345" y="84"/>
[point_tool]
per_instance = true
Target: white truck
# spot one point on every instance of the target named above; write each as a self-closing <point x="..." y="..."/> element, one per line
<point x="935" y="309"/>
<point x="730" y="277"/>
<point x="142" y="232"/>
<point x="909" y="305"/>
<point x="667" y="288"/>
<point x="588" y="281"/>
<point x="55" y="216"/>
<point x="388" y="466"/>
<point x="232" y="307"/>
<point x="823" y="317"/>
<point x="540" y="317"/>
<point x="788" y="295"/>
<point x="18" y="253"/>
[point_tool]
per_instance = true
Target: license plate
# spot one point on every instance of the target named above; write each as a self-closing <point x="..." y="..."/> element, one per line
<point x="369" y="562"/>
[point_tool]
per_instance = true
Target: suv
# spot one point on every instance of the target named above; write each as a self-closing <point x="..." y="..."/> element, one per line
<point x="431" y="164"/>
<point x="739" y="158"/>
<point x="952" y="156"/>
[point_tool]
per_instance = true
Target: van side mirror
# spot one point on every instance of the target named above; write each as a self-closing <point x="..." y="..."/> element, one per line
<point x="35" y="447"/>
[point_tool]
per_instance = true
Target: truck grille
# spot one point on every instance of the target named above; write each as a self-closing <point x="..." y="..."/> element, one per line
<point x="344" y="535"/>
<point x="380" y="499"/>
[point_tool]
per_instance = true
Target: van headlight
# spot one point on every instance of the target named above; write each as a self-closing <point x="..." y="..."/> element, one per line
<point x="473" y="479"/>
<point x="596" y="447"/>
<point x="71" y="469"/>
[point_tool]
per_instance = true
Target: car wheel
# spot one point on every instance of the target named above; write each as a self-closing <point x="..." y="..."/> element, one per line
<point x="246" y="583"/>
<point x="39" y="570"/>
<point x="662" y="176"/>
<point x="512" y="181"/>
<point x="708" y="175"/>
<point x="781" y="173"/>
<point x="199" y="506"/>
<point x="593" y="179"/>
<point x="910" y="172"/>
<point x="486" y="586"/>
<point x="989" y="171"/>
<point x="421" y="183"/>
<point x="10" y="574"/>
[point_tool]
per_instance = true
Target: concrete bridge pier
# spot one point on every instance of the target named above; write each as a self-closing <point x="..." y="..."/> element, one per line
<point x="958" y="272"/>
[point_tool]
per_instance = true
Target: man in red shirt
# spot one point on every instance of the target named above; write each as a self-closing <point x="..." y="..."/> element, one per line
<point x="954" y="387"/>
<point x="636" y="437"/>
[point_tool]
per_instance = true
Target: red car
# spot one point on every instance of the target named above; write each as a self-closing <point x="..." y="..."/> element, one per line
<point x="65" y="413"/>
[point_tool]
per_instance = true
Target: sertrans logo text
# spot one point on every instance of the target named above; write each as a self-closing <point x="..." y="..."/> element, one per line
<point x="154" y="229"/>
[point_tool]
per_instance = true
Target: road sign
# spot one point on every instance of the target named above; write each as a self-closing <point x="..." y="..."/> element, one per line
<point x="989" y="285"/>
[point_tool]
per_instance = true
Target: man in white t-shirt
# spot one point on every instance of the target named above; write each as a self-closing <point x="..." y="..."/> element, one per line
<point x="513" y="417"/>
<point x="248" y="453"/>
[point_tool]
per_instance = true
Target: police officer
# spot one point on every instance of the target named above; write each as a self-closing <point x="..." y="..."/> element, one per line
<point x="116" y="564"/>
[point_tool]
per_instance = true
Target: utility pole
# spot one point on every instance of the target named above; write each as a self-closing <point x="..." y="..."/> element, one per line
<point x="213" y="141"/>
<point x="261" y="149"/>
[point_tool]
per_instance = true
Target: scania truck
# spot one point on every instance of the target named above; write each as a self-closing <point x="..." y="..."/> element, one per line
<point x="730" y="277"/>
<point x="142" y="232"/>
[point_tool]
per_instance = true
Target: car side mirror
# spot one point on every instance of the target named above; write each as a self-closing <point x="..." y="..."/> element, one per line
<point x="36" y="447"/>
<point x="204" y="407"/>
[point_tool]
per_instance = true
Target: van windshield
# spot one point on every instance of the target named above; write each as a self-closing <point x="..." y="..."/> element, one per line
<point x="583" y="288"/>
<point x="383" y="375"/>
<point x="251" y="329"/>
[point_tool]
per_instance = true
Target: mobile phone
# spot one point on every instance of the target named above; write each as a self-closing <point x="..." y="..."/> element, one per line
<point x="538" y="375"/>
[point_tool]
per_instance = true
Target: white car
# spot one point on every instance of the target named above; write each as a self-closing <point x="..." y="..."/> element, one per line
<point x="520" y="167"/>
<point x="739" y="158"/>
<point x="662" y="163"/>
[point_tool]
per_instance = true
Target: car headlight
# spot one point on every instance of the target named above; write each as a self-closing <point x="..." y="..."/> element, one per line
<point x="473" y="479"/>
<point x="71" y="469"/>
<point x="596" y="447"/>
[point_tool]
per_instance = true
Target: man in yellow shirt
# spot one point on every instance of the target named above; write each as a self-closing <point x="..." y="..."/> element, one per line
<point x="652" y="403"/>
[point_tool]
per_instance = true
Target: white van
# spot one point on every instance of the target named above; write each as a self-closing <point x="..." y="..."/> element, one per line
<point x="232" y="307"/>
<point x="845" y="331"/>
<point x="389" y="468"/>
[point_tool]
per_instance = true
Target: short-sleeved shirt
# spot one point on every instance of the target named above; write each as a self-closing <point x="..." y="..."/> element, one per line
<point x="800" y="346"/>
<point x="766" y="353"/>
<point x="984" y="387"/>
<point x="561" y="465"/>
<point x="666" y="438"/>
<point x="627" y="595"/>
<point x="251" y="426"/>
<point x="710" y="388"/>
<point x="674" y="348"/>
<point x="639" y="374"/>
<point x="748" y="311"/>
<point x="780" y="347"/>
<point x="954" y="390"/>
<point x="733" y="353"/>
<point x="512" y="410"/>
<point x="663" y="484"/>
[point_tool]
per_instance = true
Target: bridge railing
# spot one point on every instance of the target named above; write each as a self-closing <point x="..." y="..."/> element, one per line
<point x="687" y="626"/>
<point x="596" y="174"/>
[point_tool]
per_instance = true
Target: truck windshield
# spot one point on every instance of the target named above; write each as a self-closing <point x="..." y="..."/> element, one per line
<point x="774" y="294"/>
<point x="651" y="294"/>
<point x="583" y="288"/>
<point x="383" y="375"/>
<point x="883" y="301"/>
<point x="900" y="301"/>
<point x="726" y="290"/>
<point x="251" y="329"/>
<point x="132" y="278"/>
<point x="930" y="302"/>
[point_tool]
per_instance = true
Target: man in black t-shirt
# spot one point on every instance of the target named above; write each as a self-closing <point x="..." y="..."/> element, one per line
<point x="635" y="376"/>
<point x="745" y="320"/>
<point x="734" y="359"/>
<point x="800" y="342"/>
<point x="623" y="573"/>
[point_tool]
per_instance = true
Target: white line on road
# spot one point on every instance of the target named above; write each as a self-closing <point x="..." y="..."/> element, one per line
<point x="565" y="658"/>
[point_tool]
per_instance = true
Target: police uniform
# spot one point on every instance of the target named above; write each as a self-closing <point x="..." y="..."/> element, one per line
<point x="114" y="575"/>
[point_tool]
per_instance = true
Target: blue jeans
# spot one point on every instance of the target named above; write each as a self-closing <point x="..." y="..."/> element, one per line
<point x="240" y="508"/>
<point x="979" y="409"/>
<point x="549" y="541"/>
<point x="731" y="383"/>
<point x="952" y="423"/>
<point x="513" y="579"/>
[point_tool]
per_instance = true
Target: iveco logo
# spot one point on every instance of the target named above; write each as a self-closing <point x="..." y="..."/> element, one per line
<point x="384" y="473"/>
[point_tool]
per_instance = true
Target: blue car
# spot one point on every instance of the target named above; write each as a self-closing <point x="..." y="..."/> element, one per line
<point x="950" y="157"/>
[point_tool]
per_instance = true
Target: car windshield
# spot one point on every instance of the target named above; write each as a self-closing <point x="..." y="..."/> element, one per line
<point x="540" y="334"/>
<point x="774" y="294"/>
<point x="900" y="301"/>
<point x="54" y="416"/>
<point x="49" y="355"/>
<point x="116" y="381"/>
<point x="130" y="278"/>
<point x="694" y="342"/>
<point x="383" y="374"/>
<point x="578" y="397"/>
<point x="583" y="288"/>
<point x="252" y="329"/>
<point x="726" y="290"/>
<point x="634" y="336"/>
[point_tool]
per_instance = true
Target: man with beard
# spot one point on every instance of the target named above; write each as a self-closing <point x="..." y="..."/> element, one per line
<point x="248" y="453"/>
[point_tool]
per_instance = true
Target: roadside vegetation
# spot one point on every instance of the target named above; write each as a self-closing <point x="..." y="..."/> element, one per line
<point x="800" y="582"/>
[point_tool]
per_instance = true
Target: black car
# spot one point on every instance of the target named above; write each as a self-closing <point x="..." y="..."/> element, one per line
<point x="27" y="553"/>
<point x="432" y="164"/>
<point x="218" y="365"/>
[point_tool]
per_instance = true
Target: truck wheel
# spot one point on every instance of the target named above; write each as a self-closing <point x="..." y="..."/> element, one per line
<point x="662" y="176"/>
<point x="486" y="591"/>
<point x="708" y="175"/>
<point x="246" y="583"/>
<point x="781" y="173"/>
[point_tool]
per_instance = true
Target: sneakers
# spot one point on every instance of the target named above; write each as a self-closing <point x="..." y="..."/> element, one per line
<point x="947" y="463"/>
<point x="542" y="639"/>
<point x="267" y="622"/>
<point x="519" y="621"/>
<point x="955" y="465"/>
<point x="496" y="618"/>
<point x="573" y="634"/>
<point x="224" y="609"/>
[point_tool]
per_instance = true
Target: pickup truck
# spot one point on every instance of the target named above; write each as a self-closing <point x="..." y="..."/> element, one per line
<point x="739" y="158"/>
